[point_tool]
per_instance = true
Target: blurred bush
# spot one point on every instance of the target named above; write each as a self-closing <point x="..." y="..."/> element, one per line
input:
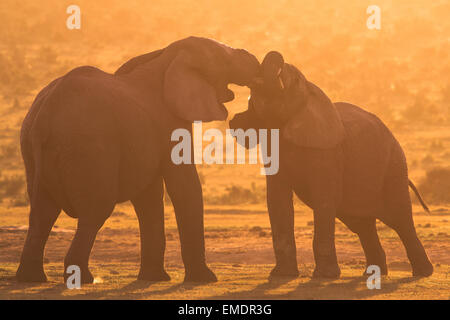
<point x="11" y="187"/>
<point x="236" y="194"/>
<point x="21" y="200"/>
<point x="435" y="187"/>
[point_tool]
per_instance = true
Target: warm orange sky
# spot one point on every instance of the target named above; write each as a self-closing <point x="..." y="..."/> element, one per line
<point x="387" y="71"/>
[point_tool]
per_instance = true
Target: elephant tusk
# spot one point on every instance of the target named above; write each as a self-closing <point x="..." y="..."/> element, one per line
<point x="281" y="80"/>
<point x="281" y="83"/>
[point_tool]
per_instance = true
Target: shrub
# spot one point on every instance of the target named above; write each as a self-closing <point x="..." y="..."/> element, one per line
<point x="11" y="187"/>
<point x="238" y="195"/>
<point x="436" y="186"/>
<point x="20" y="200"/>
<point x="10" y="152"/>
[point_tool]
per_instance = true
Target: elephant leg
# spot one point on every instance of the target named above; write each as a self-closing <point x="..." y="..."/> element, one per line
<point x="90" y="177"/>
<point x="398" y="213"/>
<point x="281" y="214"/>
<point x="366" y="230"/>
<point x="43" y="215"/>
<point x="398" y="216"/>
<point x="323" y="174"/>
<point x="323" y="244"/>
<point x="81" y="248"/>
<point x="185" y="191"/>
<point x="93" y="209"/>
<point x="149" y="207"/>
<point x="421" y="265"/>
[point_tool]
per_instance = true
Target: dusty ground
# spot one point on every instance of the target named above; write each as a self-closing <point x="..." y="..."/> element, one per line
<point x="239" y="250"/>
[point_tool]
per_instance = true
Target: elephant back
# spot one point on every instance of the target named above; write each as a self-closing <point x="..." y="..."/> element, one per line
<point x="367" y="149"/>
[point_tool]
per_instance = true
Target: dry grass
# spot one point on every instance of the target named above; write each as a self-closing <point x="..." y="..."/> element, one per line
<point x="236" y="282"/>
<point x="239" y="249"/>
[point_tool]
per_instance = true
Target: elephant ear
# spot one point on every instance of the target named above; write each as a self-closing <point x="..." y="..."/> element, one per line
<point x="135" y="62"/>
<point x="188" y="94"/>
<point x="317" y="124"/>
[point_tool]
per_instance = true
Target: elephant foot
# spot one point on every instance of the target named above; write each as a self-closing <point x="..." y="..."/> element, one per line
<point x="279" y="272"/>
<point x="327" y="272"/>
<point x="158" y="276"/>
<point x="86" y="275"/>
<point x="31" y="272"/>
<point x="200" y="275"/>
<point x="424" y="270"/>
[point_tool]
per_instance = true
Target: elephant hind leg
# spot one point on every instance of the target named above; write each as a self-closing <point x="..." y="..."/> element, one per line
<point x="92" y="195"/>
<point x="404" y="227"/>
<point x="366" y="230"/>
<point x="421" y="265"/>
<point x="398" y="216"/>
<point x="92" y="215"/>
<point x="43" y="214"/>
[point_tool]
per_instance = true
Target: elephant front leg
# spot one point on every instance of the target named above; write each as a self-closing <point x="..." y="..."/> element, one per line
<point x="184" y="188"/>
<point x="324" y="245"/>
<point x="281" y="213"/>
<point x="149" y="207"/>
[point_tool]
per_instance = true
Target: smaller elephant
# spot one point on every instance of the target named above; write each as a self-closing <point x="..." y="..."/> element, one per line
<point x="340" y="160"/>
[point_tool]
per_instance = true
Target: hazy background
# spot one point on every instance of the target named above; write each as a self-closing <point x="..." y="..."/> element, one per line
<point x="401" y="72"/>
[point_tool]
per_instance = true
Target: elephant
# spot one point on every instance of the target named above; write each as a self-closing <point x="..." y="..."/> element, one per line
<point x="340" y="160"/>
<point x="92" y="139"/>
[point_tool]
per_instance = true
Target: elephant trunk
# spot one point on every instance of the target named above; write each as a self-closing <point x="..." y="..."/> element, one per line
<point x="272" y="66"/>
<point x="244" y="68"/>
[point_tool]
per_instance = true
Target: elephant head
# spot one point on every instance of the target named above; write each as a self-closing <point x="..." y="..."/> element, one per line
<point x="196" y="74"/>
<point x="281" y="97"/>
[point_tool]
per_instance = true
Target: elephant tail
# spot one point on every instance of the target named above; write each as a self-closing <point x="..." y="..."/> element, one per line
<point x="413" y="187"/>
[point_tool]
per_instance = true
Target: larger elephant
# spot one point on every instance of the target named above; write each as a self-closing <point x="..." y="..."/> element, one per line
<point x="339" y="160"/>
<point x="93" y="139"/>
